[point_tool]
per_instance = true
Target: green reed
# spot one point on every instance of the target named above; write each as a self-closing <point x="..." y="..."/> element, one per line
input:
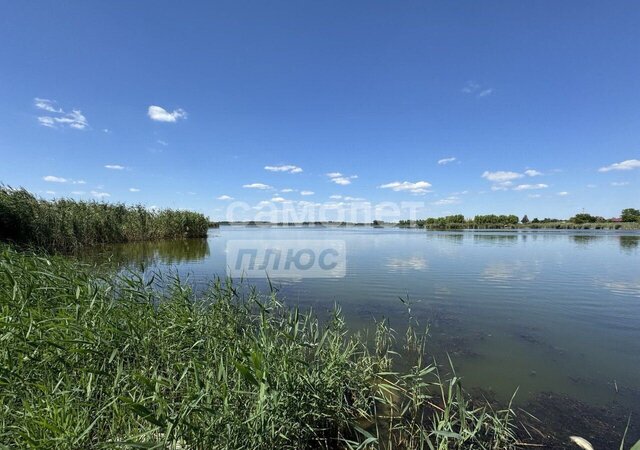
<point x="66" y="224"/>
<point x="89" y="361"/>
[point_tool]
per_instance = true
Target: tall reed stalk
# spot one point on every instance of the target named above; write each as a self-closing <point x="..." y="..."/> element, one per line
<point x="117" y="362"/>
<point x="66" y="224"/>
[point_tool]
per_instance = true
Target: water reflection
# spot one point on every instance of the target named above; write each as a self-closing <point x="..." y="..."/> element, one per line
<point x="453" y="238"/>
<point x="629" y="243"/>
<point x="584" y="239"/>
<point x="412" y="263"/>
<point x="142" y="254"/>
<point x="496" y="238"/>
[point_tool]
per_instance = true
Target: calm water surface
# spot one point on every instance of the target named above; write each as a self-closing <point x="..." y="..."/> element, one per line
<point x="543" y="311"/>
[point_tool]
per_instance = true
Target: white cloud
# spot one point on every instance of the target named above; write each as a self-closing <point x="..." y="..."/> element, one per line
<point x="50" y="192"/>
<point x="473" y="88"/>
<point x="452" y="200"/>
<point x="46" y="105"/>
<point x="338" y="178"/>
<point x="619" y="183"/>
<point x="78" y="192"/>
<point x="134" y="190"/>
<point x="278" y="200"/>
<point x="285" y="168"/>
<point x="501" y="176"/>
<point x="160" y="114"/>
<point x="526" y="187"/>
<point x="470" y="87"/>
<point x="114" y="167"/>
<point x="163" y="143"/>
<point x="503" y="179"/>
<point x="534" y="195"/>
<point x="98" y="194"/>
<point x="225" y="197"/>
<point x="563" y="193"/>
<point x="446" y="160"/>
<point x="286" y="190"/>
<point x="419" y="187"/>
<point x="59" y="118"/>
<point x="257" y="186"/>
<point x="629" y="164"/>
<point x="54" y="179"/>
<point x="307" y="192"/>
<point x="591" y="186"/>
<point x="335" y="197"/>
<point x="354" y="199"/>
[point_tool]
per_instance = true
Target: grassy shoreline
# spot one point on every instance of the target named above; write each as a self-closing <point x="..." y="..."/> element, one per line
<point x="94" y="362"/>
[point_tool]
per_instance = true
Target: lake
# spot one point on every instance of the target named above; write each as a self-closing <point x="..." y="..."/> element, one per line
<point x="539" y="310"/>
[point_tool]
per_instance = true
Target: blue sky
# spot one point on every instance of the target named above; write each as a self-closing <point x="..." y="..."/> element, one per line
<point x="538" y="102"/>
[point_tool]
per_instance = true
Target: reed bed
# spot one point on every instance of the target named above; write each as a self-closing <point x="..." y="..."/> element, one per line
<point x="65" y="224"/>
<point x="119" y="362"/>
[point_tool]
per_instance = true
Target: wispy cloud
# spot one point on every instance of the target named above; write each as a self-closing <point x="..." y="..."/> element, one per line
<point x="503" y="179"/>
<point x="527" y="187"/>
<point x="159" y="114"/>
<point x="418" y="187"/>
<point x="501" y="176"/>
<point x="562" y="193"/>
<point x="278" y="200"/>
<point x="470" y="87"/>
<point x="629" y="164"/>
<point x="287" y="190"/>
<point x="338" y="178"/>
<point x="58" y="118"/>
<point x="99" y="194"/>
<point x="225" y="197"/>
<point x="114" y="167"/>
<point x="163" y="143"/>
<point x="284" y="168"/>
<point x="473" y="88"/>
<point x="451" y="200"/>
<point x="446" y="160"/>
<point x="257" y="186"/>
<point x="54" y="179"/>
<point x="307" y="192"/>
<point x="134" y="190"/>
<point x="619" y="183"/>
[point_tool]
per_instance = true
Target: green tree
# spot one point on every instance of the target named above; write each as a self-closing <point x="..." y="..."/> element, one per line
<point x="583" y="218"/>
<point x="525" y="219"/>
<point x="630" y="215"/>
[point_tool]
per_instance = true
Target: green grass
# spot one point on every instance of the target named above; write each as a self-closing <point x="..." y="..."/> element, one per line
<point x="65" y="224"/>
<point x="118" y="362"/>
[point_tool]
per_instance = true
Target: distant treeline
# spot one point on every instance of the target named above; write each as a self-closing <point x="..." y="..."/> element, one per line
<point x="65" y="224"/>
<point x="458" y="221"/>
<point x="630" y="218"/>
